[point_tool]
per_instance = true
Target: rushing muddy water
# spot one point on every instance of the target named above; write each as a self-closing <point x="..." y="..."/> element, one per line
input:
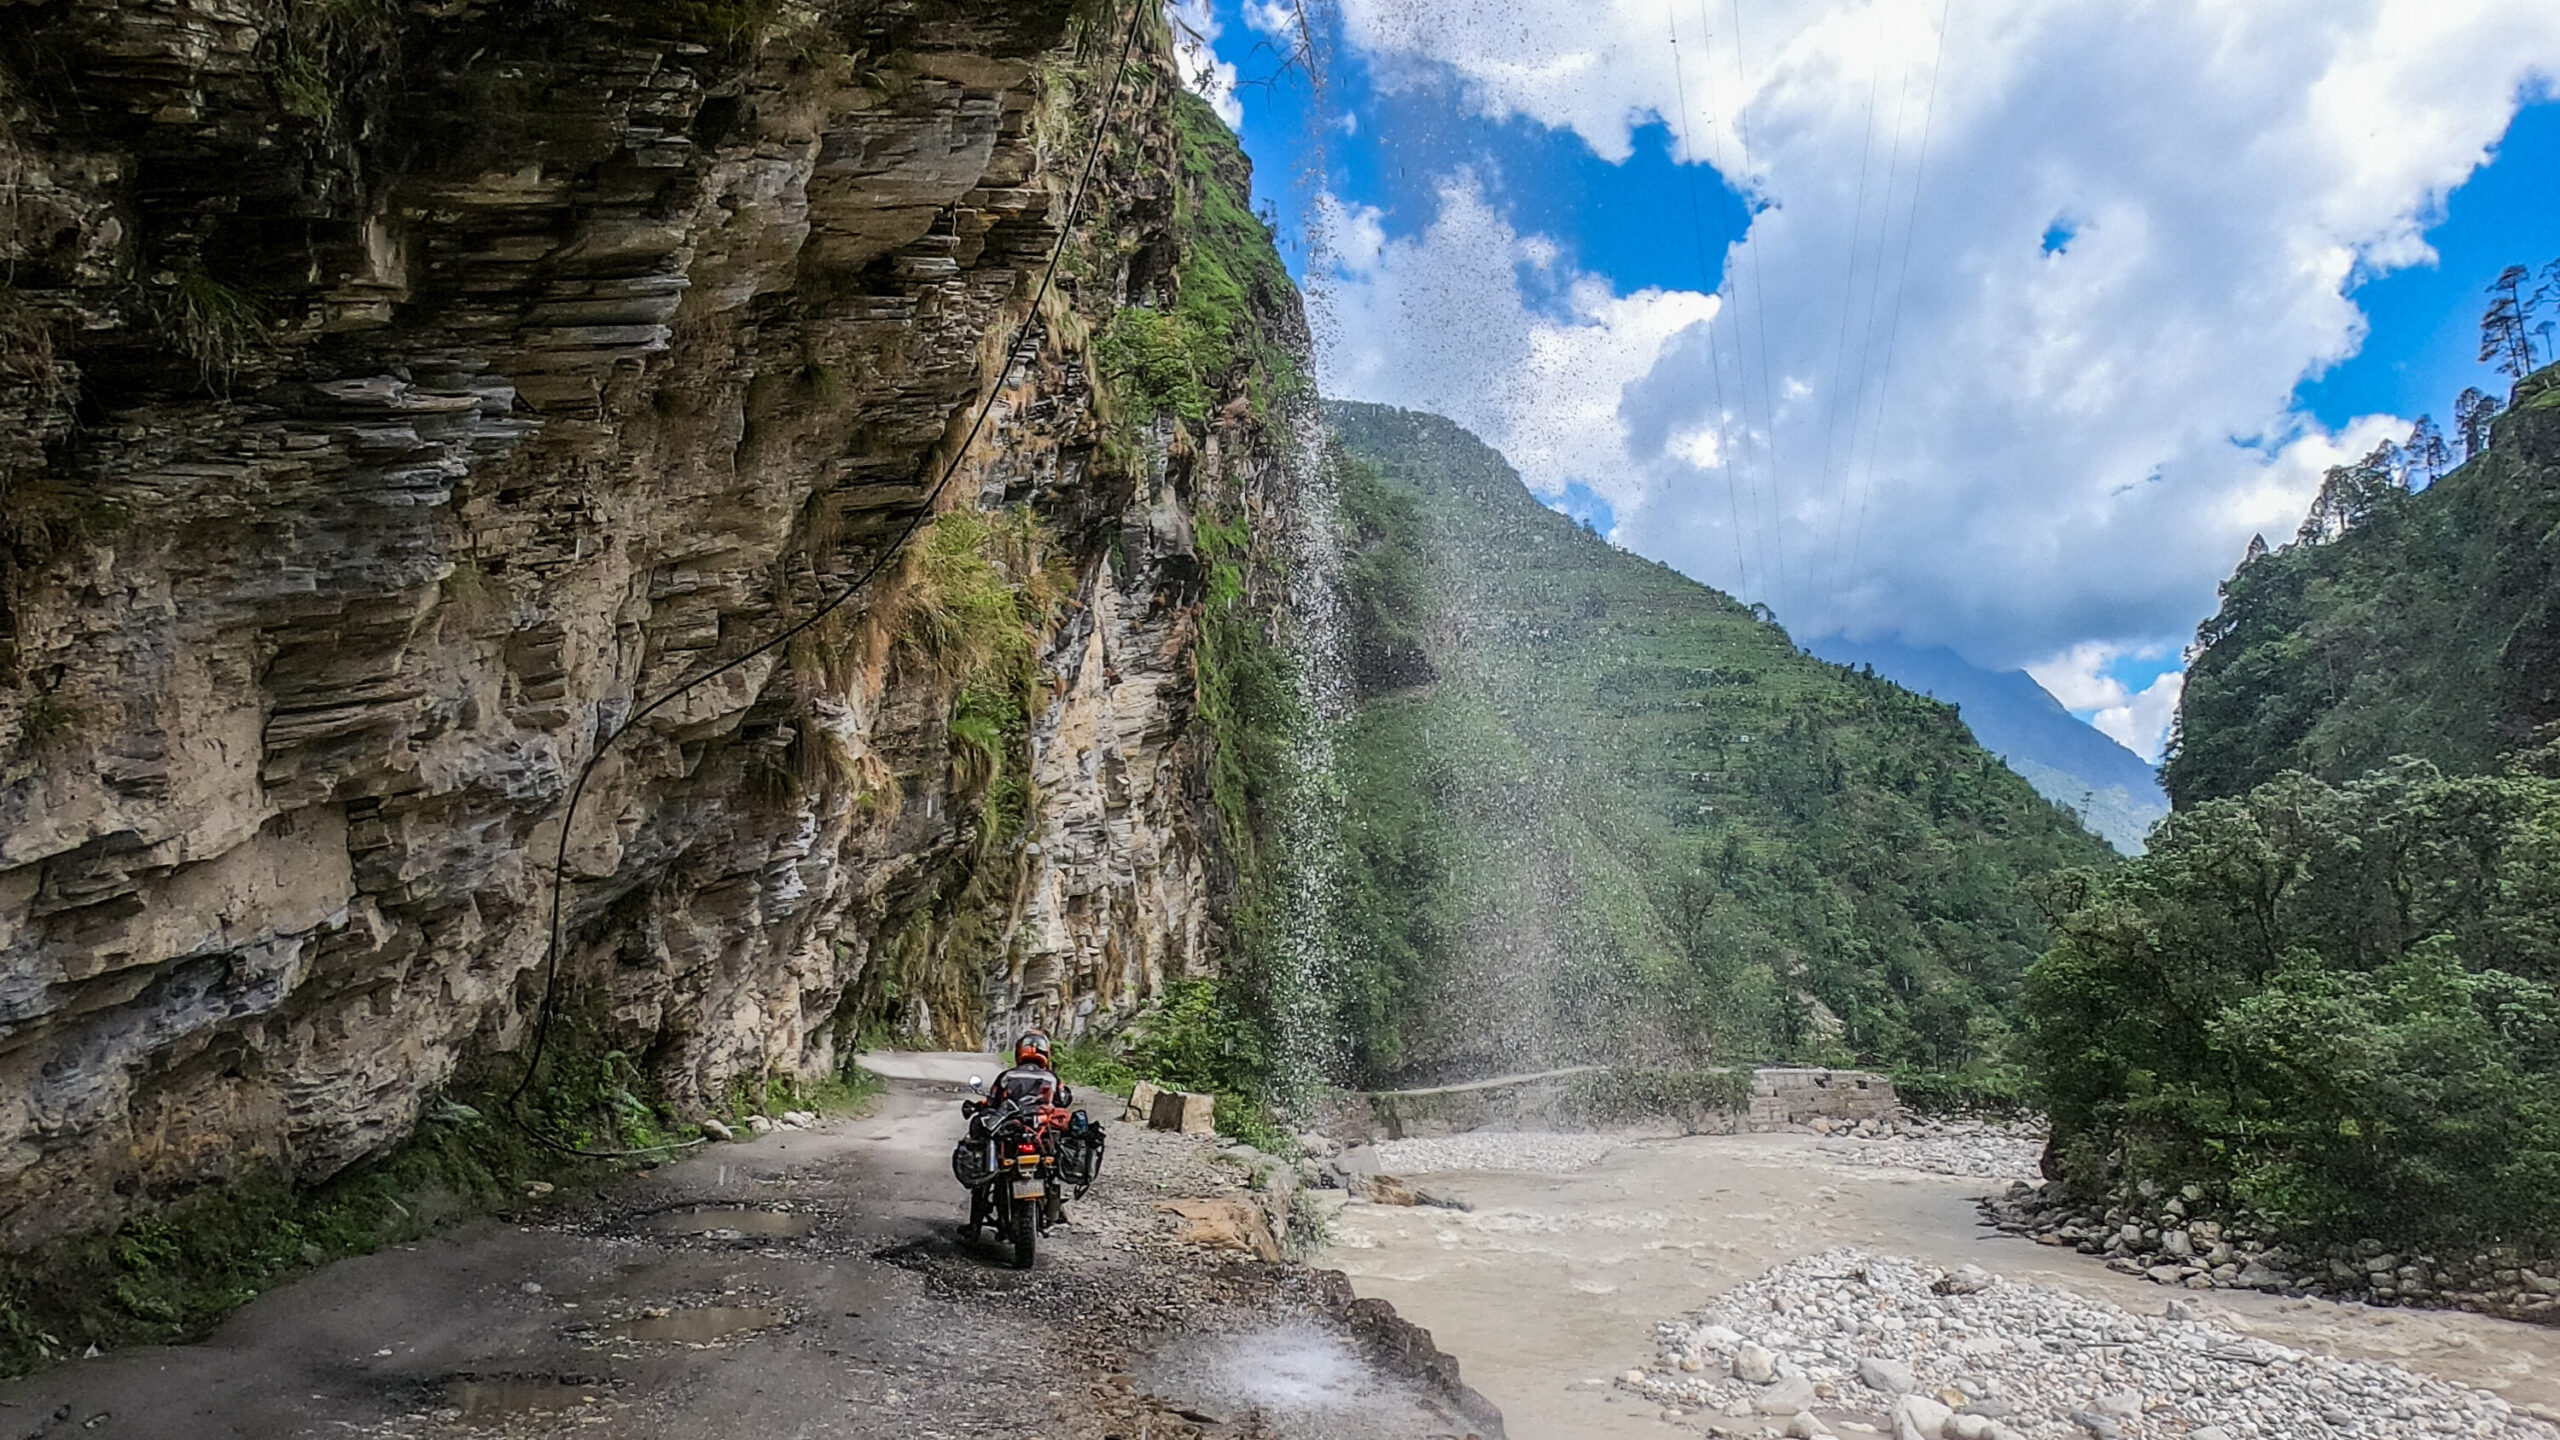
<point x="1553" y="1282"/>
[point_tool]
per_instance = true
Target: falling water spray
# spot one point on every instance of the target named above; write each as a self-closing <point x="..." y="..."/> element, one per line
<point x="1309" y="1048"/>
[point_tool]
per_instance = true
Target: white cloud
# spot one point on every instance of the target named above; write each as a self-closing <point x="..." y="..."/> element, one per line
<point x="2137" y="720"/>
<point x="1445" y="321"/>
<point x="2141" y="723"/>
<point x="1969" y="442"/>
<point x="1195" y="32"/>
<point x="1279" y="19"/>
<point x="2078" y="677"/>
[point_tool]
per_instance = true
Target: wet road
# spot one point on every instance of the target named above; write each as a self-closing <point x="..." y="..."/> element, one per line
<point x="808" y="1283"/>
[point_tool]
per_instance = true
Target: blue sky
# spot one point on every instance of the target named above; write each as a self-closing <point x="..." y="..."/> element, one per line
<point x="2424" y="345"/>
<point x="2118" y="351"/>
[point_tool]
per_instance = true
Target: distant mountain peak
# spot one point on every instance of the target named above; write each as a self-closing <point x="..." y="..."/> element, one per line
<point x="2069" y="761"/>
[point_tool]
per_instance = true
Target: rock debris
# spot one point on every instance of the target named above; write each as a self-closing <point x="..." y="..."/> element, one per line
<point x="1845" y="1342"/>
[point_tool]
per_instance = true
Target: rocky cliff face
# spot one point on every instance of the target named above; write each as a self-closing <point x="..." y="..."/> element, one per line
<point x="397" y="397"/>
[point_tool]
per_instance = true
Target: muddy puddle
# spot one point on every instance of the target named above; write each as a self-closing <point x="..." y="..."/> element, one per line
<point x="498" y="1397"/>
<point x="700" y="1325"/>
<point x="728" y="1222"/>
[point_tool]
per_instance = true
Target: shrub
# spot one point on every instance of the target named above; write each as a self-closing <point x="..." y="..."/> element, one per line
<point x="2340" y="1005"/>
<point x="1626" y="1093"/>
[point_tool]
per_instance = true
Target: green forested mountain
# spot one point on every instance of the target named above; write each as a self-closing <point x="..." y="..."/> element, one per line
<point x="2330" y="992"/>
<point x="2430" y="627"/>
<point x="1596" y="810"/>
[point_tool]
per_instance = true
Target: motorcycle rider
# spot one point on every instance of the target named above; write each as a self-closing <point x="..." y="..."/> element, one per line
<point x="1032" y="1073"/>
<point x="1032" y="1076"/>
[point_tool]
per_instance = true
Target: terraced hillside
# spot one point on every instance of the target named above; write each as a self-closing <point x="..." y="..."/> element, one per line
<point x="1595" y="808"/>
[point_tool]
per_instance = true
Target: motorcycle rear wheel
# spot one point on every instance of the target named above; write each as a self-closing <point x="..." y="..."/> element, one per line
<point x="1023" y="1219"/>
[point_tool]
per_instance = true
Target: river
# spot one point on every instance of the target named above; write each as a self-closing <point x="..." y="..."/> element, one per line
<point x="1554" y="1280"/>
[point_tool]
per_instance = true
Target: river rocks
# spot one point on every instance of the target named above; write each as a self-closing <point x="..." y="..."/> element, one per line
<point x="1917" y="1417"/>
<point x="2024" y="1361"/>
<point x="1963" y="1280"/>
<point x="1984" y="1149"/>
<point x="1384" y="1190"/>
<point x="1786" y="1396"/>
<point x="1754" y="1364"/>
<point x="715" y="1130"/>
<point x="1890" y="1376"/>
<point x="2167" y="1239"/>
<point x="1529" y="1151"/>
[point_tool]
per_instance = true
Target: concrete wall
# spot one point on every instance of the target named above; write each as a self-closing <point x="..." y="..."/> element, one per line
<point x="1782" y="1097"/>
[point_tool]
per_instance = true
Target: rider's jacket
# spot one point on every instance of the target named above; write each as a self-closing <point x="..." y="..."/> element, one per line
<point x="1025" y="1080"/>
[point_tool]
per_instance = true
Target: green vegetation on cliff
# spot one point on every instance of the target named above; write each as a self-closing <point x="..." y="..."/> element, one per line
<point x="1218" y="326"/>
<point x="1597" y="810"/>
<point x="2430" y="627"/>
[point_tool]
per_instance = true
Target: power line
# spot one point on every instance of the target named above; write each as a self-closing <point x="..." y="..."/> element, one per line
<point x="924" y="512"/>
<point x="1851" y="481"/>
<point x="1849" y="307"/>
<point x="1742" y="460"/>
<point x="1698" y="227"/>
<point x="1760" y="316"/>
<point x="1893" y="332"/>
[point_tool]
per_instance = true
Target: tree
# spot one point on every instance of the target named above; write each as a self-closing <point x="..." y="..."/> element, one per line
<point x="2546" y="293"/>
<point x="2473" y="409"/>
<point x="2350" y="494"/>
<point x="2506" y="334"/>
<point x="2339" y="1005"/>
<point x="2426" y="453"/>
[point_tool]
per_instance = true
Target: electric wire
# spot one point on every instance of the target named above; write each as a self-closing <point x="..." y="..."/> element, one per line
<point x="1715" y="361"/>
<point x="1893" y="331"/>
<point x="925" y="511"/>
<point x="1852" y="475"/>
<point x="1759" y="269"/>
<point x="1828" y="572"/>
<point x="1754" y="461"/>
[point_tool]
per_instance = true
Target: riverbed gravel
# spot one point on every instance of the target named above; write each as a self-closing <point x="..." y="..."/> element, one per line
<point x="1846" y="1341"/>
<point x="1536" y="1152"/>
<point x="1981" y="1153"/>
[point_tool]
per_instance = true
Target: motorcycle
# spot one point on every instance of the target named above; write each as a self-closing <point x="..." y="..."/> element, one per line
<point x="1016" y="1161"/>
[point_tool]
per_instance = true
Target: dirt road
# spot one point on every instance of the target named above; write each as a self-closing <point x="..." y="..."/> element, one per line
<point x="808" y="1283"/>
<point x="1553" y="1282"/>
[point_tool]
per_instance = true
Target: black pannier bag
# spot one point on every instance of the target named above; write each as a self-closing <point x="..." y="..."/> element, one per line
<point x="1080" y="1151"/>
<point x="971" y="1164"/>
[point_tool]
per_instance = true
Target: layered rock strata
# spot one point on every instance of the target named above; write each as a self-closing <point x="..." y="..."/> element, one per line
<point x="396" y="400"/>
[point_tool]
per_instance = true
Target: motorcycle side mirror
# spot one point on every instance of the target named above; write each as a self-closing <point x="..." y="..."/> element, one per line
<point x="977" y="1082"/>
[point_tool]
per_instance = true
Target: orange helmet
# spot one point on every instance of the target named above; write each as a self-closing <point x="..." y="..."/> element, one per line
<point x="1032" y="1049"/>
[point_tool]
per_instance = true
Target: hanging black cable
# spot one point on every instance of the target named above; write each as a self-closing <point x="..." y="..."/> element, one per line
<point x="924" y="512"/>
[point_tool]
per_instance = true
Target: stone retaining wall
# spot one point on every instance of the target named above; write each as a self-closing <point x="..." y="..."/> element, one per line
<point x="1781" y="1096"/>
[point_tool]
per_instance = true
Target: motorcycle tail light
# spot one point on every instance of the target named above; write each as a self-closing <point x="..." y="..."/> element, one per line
<point x="1030" y="1149"/>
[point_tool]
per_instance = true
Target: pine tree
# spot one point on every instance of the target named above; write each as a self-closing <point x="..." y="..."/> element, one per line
<point x="2505" y="336"/>
<point x="2426" y="453"/>
<point x="2351" y="493"/>
<point x="2473" y="409"/>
